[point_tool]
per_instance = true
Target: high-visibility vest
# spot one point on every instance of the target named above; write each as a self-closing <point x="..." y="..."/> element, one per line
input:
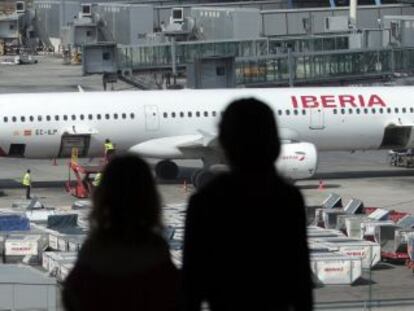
<point x="97" y="179"/>
<point x="109" y="146"/>
<point x="26" y="180"/>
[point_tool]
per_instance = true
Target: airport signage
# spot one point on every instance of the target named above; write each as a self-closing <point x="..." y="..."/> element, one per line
<point x="337" y="101"/>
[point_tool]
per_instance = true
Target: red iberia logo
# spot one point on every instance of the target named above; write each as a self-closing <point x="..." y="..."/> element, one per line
<point x="27" y="133"/>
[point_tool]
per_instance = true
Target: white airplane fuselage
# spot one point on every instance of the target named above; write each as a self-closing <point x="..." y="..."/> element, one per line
<point x="329" y="118"/>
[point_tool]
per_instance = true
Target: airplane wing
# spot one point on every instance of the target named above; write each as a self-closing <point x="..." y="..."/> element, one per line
<point x="192" y="146"/>
<point x="178" y="147"/>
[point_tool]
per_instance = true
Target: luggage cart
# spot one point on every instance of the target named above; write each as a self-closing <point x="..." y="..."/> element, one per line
<point x="84" y="174"/>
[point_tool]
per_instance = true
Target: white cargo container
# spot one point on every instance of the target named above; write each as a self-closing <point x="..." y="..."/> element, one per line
<point x="333" y="268"/>
<point x="53" y="260"/>
<point x="379" y="214"/>
<point x="64" y="271"/>
<point x="17" y="247"/>
<point x="75" y="242"/>
<point x="369" y="252"/>
<point x="63" y="244"/>
<point x="353" y="226"/>
<point x="330" y="216"/>
<point x="53" y="240"/>
<point x="368" y="227"/>
<point x="320" y="233"/>
<point x="40" y="215"/>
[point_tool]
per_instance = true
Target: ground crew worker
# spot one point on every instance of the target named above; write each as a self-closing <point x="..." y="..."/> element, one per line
<point x="27" y="183"/>
<point x="109" y="149"/>
<point x="97" y="179"/>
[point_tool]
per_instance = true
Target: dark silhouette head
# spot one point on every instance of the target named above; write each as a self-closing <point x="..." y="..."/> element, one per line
<point x="28" y="171"/>
<point x="126" y="204"/>
<point x="248" y="135"/>
<point x="107" y="140"/>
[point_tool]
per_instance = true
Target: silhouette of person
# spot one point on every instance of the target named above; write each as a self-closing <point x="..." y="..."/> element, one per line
<point x="245" y="244"/>
<point x="124" y="263"/>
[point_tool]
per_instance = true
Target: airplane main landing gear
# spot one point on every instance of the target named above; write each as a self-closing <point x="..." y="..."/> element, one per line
<point x="167" y="170"/>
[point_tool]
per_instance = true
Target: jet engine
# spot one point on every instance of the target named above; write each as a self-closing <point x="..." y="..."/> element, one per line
<point x="297" y="160"/>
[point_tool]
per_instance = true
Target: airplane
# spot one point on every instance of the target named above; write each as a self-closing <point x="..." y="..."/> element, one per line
<point x="182" y="124"/>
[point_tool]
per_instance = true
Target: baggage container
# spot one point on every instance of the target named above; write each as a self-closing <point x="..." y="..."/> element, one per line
<point x="75" y="242"/>
<point x="65" y="269"/>
<point x="369" y="252"/>
<point x="353" y="226"/>
<point x="51" y="261"/>
<point x="14" y="222"/>
<point x="354" y="206"/>
<point x="333" y="268"/>
<point x="17" y="247"/>
<point x="318" y="219"/>
<point x="334" y="200"/>
<point x="330" y="216"/>
<point x="62" y="241"/>
<point x="410" y="246"/>
<point x="320" y="233"/>
<point x="368" y="228"/>
<point x="82" y="204"/>
<point x="379" y="214"/>
<point x="406" y="222"/>
<point x="53" y="240"/>
<point x="39" y="216"/>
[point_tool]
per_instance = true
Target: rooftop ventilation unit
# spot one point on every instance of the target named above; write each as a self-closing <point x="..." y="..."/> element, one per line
<point x="20" y="7"/>
<point x="86" y="10"/>
<point x="177" y="15"/>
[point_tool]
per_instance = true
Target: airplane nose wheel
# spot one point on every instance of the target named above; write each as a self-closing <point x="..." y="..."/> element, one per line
<point x="167" y="170"/>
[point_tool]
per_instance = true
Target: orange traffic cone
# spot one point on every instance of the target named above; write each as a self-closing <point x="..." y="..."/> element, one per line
<point x="321" y="185"/>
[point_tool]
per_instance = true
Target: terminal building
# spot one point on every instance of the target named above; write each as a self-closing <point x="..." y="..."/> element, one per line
<point x="232" y="44"/>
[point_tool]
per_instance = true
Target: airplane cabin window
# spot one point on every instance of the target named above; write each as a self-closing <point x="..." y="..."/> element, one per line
<point x="98" y="116"/>
<point x="396" y="110"/>
<point x="39" y="118"/>
<point x="73" y="117"/>
<point x="198" y="114"/>
<point x="181" y="114"/>
<point x="205" y="113"/>
<point x="90" y="116"/>
<point x="358" y="111"/>
<point x="189" y="114"/>
<point x="56" y="118"/>
<point x="404" y="110"/>
<point x="389" y="110"/>
<point x="214" y="113"/>
<point x="279" y="112"/>
<point x="23" y="119"/>
<point x="373" y="110"/>
<point x="381" y="110"/>
<point x="165" y="115"/>
<point x="350" y="111"/>
<point x="107" y="116"/>
<point x="5" y="119"/>
<point x="365" y="110"/>
<point x="124" y="116"/>
<point x="132" y="116"/>
<point x="31" y="118"/>
<point x="411" y="109"/>
<point x="47" y="118"/>
<point x="14" y="119"/>
<point x="303" y="111"/>
<point x="65" y="117"/>
<point x="287" y="112"/>
<point x="335" y="111"/>
<point x="295" y="112"/>
<point x="173" y="114"/>
<point x="115" y="116"/>
<point x="82" y="117"/>
<point x="343" y="111"/>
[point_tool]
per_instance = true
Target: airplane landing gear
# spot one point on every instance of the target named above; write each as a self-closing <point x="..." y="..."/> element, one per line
<point x="167" y="170"/>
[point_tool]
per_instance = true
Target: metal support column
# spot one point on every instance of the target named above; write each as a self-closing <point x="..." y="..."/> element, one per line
<point x="332" y="3"/>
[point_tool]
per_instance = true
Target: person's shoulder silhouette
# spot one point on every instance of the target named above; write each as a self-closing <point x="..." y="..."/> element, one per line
<point x="125" y="263"/>
<point x="236" y="226"/>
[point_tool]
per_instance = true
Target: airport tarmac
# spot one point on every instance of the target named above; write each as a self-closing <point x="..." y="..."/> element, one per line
<point x="363" y="175"/>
